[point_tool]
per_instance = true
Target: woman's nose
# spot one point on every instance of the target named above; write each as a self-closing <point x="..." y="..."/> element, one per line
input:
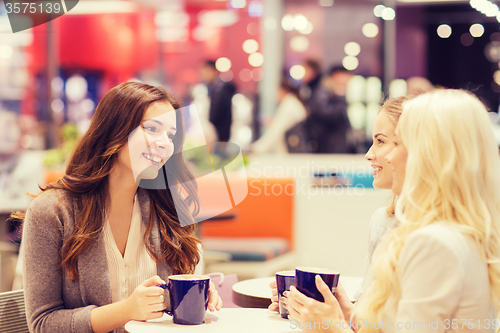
<point x="369" y="156"/>
<point x="163" y="141"/>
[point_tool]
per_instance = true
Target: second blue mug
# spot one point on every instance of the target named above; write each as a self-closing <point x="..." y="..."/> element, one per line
<point x="306" y="284"/>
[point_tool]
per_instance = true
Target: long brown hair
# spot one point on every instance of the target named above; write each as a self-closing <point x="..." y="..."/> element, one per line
<point x="86" y="180"/>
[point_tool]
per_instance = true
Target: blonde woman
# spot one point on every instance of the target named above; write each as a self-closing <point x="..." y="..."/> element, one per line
<point x="383" y="218"/>
<point x="438" y="271"/>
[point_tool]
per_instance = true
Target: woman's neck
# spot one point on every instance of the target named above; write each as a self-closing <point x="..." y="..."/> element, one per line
<point x="122" y="189"/>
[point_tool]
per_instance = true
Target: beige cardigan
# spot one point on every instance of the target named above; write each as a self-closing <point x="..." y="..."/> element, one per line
<point x="444" y="285"/>
<point x="54" y="303"/>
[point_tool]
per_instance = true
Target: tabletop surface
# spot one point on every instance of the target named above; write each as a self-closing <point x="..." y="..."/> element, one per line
<point x="225" y="320"/>
<point x="260" y="287"/>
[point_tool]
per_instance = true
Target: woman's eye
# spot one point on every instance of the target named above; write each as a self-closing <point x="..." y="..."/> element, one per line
<point x="150" y="129"/>
<point x="380" y="141"/>
<point x="171" y="136"/>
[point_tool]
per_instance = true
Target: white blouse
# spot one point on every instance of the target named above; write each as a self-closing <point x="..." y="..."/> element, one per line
<point x="127" y="272"/>
<point x="130" y="270"/>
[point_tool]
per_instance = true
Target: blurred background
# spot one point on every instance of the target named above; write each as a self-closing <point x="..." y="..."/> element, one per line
<point x="57" y="72"/>
<point x="301" y="78"/>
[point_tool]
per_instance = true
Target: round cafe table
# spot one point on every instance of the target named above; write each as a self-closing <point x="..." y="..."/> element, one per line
<point x="226" y="320"/>
<point x="255" y="293"/>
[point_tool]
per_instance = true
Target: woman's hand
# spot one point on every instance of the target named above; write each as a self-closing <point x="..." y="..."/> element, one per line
<point x="305" y="311"/>
<point x="214" y="300"/>
<point x="348" y="309"/>
<point x="274" y="306"/>
<point x="146" y="302"/>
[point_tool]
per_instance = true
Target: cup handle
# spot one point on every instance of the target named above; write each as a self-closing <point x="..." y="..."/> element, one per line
<point x="166" y="298"/>
<point x="219" y="274"/>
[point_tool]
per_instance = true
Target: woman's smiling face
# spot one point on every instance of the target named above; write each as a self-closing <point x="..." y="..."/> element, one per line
<point x="151" y="144"/>
<point x="383" y="143"/>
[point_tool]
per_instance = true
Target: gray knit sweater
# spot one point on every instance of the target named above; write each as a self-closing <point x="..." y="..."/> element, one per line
<point x="54" y="303"/>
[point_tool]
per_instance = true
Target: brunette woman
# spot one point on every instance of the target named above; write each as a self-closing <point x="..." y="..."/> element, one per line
<point x="96" y="243"/>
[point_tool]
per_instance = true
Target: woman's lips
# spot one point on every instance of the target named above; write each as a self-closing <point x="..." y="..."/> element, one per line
<point x="152" y="158"/>
<point x="376" y="169"/>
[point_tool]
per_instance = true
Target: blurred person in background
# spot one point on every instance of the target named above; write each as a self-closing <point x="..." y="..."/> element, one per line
<point x="300" y="139"/>
<point x="311" y="81"/>
<point x="221" y="95"/>
<point x="289" y="113"/>
<point x="328" y="121"/>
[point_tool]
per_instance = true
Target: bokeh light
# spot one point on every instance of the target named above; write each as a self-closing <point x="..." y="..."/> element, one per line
<point x="370" y="30"/>
<point x="297" y="72"/>
<point x="326" y="3"/>
<point x="255" y="9"/>
<point x="350" y="62"/>
<point x="377" y="11"/>
<point x="352" y="48"/>
<point x="238" y="3"/>
<point x="250" y="46"/>
<point x="287" y="23"/>
<point x="76" y="88"/>
<point x="256" y="59"/>
<point x="299" y="43"/>
<point x="57" y="84"/>
<point x="496" y="77"/>
<point x="299" y="22"/>
<point x="57" y="105"/>
<point x="444" y="31"/>
<point x="476" y="30"/>
<point x="388" y="14"/>
<point x="223" y="64"/>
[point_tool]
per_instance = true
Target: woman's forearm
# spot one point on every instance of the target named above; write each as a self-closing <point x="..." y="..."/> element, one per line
<point x="109" y="317"/>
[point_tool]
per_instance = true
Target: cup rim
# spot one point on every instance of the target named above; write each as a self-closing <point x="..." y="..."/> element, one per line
<point x="317" y="270"/>
<point x="286" y="273"/>
<point x="176" y="277"/>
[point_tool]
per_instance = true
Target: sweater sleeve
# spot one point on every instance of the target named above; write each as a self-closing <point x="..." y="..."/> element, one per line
<point x="42" y="275"/>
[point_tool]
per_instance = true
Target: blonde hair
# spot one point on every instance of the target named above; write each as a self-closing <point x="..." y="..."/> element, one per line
<point x="394" y="107"/>
<point x="452" y="175"/>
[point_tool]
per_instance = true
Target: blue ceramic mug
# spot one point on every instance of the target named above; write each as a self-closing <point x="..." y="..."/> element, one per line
<point x="284" y="279"/>
<point x="186" y="297"/>
<point x="306" y="284"/>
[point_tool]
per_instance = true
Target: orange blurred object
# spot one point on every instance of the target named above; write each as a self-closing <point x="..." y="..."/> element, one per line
<point x="267" y="211"/>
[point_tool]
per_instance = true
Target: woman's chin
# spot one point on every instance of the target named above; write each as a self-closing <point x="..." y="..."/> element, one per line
<point x="150" y="172"/>
<point x="380" y="185"/>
